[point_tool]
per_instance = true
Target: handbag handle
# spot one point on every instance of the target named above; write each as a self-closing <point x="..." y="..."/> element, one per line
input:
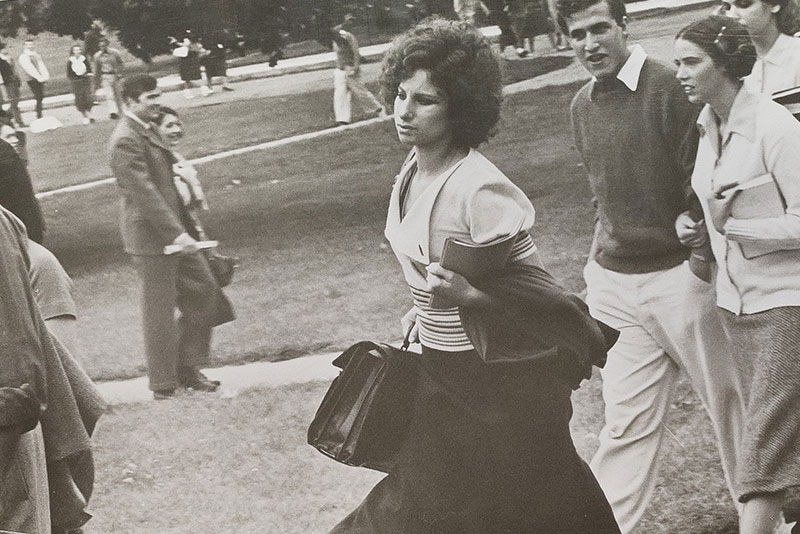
<point x="406" y="340"/>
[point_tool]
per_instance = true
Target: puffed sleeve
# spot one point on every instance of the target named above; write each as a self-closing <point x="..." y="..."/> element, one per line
<point x="499" y="208"/>
<point x="52" y="286"/>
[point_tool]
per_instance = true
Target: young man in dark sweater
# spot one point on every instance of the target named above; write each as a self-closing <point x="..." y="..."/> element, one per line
<point x="635" y="131"/>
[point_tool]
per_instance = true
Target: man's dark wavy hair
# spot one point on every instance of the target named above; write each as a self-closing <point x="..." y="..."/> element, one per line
<point x="567" y="8"/>
<point x="463" y="67"/>
<point x="136" y="84"/>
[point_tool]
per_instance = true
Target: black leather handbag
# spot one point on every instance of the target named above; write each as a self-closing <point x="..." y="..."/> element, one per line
<point x="222" y="267"/>
<point x="364" y="417"/>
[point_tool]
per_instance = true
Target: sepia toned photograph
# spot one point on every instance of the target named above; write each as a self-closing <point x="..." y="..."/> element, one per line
<point x="399" y="266"/>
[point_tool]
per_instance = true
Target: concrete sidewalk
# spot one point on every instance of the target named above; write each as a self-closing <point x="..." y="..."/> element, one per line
<point x="235" y="378"/>
<point x="646" y="8"/>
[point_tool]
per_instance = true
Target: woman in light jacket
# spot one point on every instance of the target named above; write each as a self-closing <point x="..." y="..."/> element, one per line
<point x="747" y="139"/>
<point x="489" y="448"/>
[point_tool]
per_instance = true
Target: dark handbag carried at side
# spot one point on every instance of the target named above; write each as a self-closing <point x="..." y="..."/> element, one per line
<point x="222" y="267"/>
<point x="364" y="417"/>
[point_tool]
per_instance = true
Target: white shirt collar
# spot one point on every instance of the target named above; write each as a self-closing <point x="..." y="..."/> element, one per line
<point x="630" y="72"/>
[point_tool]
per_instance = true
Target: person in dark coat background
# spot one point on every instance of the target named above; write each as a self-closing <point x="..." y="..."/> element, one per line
<point x="16" y="190"/>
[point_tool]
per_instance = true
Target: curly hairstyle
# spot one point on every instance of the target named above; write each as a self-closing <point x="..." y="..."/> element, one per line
<point x="567" y="8"/>
<point x="462" y="66"/>
<point x="726" y="41"/>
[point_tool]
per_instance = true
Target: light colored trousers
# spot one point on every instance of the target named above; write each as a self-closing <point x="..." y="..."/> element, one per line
<point x="113" y="92"/>
<point x="667" y="320"/>
<point x="345" y="88"/>
<point x="24" y="495"/>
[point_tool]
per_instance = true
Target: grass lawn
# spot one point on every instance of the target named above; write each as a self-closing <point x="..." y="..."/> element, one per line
<point x="306" y="219"/>
<point x="203" y="464"/>
<point x="316" y="274"/>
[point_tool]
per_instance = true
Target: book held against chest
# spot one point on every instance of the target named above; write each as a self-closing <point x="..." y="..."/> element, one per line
<point x="759" y="198"/>
<point x="472" y="261"/>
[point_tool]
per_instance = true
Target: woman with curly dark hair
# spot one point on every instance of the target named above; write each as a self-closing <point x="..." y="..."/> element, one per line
<point x="489" y="448"/>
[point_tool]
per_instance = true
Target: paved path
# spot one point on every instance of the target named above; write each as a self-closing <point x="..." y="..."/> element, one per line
<point x="237" y="378"/>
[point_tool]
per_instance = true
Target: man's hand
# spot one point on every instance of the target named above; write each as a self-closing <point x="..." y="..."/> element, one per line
<point x="690" y="233"/>
<point x="183" y="244"/>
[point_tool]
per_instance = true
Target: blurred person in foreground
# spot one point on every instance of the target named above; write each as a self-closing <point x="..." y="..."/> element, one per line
<point x="489" y="448"/>
<point x="74" y="404"/>
<point x="745" y="137"/>
<point x="152" y="218"/>
<point x="24" y="502"/>
<point x="636" y="134"/>
<point x="16" y="190"/>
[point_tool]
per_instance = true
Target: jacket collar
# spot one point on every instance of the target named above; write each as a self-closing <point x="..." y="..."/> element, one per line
<point x="410" y="234"/>
<point x="741" y="120"/>
<point x="145" y="129"/>
<point x="781" y="51"/>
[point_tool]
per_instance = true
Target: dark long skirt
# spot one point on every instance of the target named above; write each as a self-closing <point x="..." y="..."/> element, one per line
<point x="489" y="452"/>
<point x="82" y="89"/>
<point x="189" y="66"/>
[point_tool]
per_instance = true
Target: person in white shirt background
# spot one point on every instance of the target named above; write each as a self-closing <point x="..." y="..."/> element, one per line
<point x="36" y="73"/>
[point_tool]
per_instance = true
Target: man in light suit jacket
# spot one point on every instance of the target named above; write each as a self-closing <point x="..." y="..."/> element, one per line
<point x="151" y="219"/>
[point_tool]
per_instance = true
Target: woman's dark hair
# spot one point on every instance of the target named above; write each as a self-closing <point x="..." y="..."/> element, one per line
<point x="726" y="41"/>
<point x="788" y="17"/>
<point x="567" y="8"/>
<point x="462" y="66"/>
<point x="163" y="111"/>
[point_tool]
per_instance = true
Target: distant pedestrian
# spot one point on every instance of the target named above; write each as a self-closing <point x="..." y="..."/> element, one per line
<point x="216" y="65"/>
<point x="79" y="72"/>
<point x="152" y="219"/>
<point x="529" y="19"/>
<point x="108" y="68"/>
<point x="36" y="73"/>
<point x="11" y="84"/>
<point x="189" y="53"/>
<point x="346" y="76"/>
<point x="466" y="10"/>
